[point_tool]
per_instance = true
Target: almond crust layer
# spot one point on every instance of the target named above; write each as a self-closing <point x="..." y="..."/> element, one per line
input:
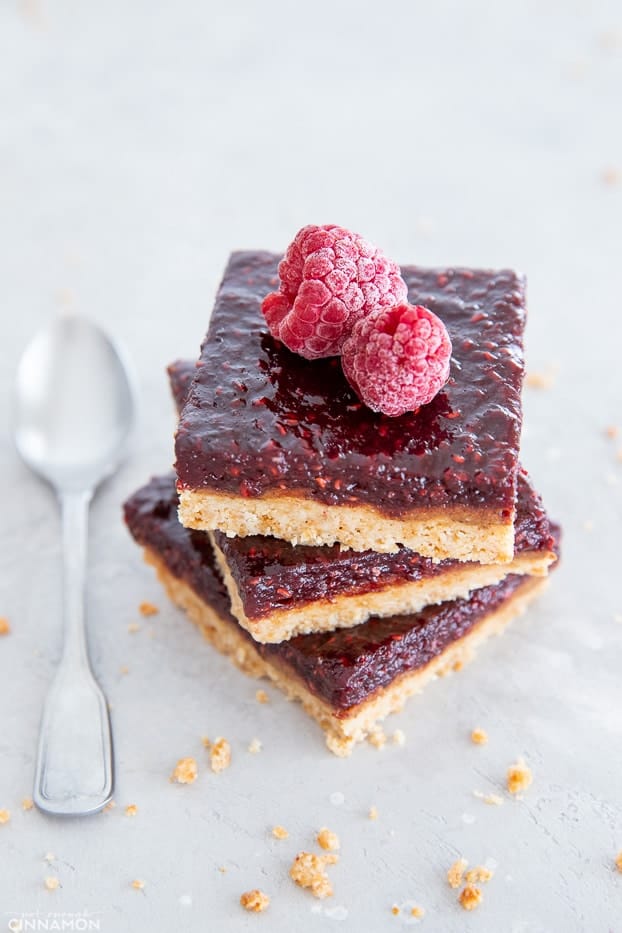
<point x="344" y="728"/>
<point x="465" y="535"/>
<point x="345" y="611"/>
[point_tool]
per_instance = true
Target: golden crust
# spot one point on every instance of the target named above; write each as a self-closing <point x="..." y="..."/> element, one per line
<point x="346" y="611"/>
<point x="461" y="534"/>
<point x="344" y="728"/>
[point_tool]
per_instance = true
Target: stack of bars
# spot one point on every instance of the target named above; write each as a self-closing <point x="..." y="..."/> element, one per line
<point x="348" y="556"/>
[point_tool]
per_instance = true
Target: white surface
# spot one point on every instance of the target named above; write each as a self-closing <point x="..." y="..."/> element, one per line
<point x="142" y="142"/>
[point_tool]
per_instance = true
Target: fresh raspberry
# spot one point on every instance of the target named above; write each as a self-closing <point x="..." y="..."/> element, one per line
<point x="330" y="278"/>
<point x="397" y="358"/>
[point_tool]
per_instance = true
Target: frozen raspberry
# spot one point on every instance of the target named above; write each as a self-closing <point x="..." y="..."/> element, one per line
<point x="330" y="278"/>
<point x="397" y="358"/>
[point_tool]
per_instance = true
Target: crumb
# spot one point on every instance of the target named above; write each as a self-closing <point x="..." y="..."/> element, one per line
<point x="205" y="741"/>
<point x="109" y="806"/>
<point x="479" y="873"/>
<point x="493" y="799"/>
<point x="255" y="746"/>
<point x="611" y="176"/>
<point x="519" y="777"/>
<point x="373" y="813"/>
<point x="220" y="755"/>
<point x="455" y="873"/>
<point x="133" y="627"/>
<point x="262" y="697"/>
<point x="471" y="897"/>
<point x="254" y="901"/>
<point x="5" y="626"/>
<point x="148" y="609"/>
<point x="377" y="738"/>
<point x="5" y="816"/>
<point x="51" y="883"/>
<point x="223" y="870"/>
<point x="619" y="455"/>
<point x="27" y="803"/>
<point x="49" y="857"/>
<point x="395" y="910"/>
<point x="619" y="861"/>
<point x="124" y="669"/>
<point x="479" y="737"/>
<point x="185" y="771"/>
<point x="417" y="912"/>
<point x="540" y="380"/>
<point x="138" y="885"/>
<point x="131" y="809"/>
<point x="612" y="431"/>
<point x="398" y="737"/>
<point x="328" y="840"/>
<point x="279" y="832"/>
<point x="309" y="871"/>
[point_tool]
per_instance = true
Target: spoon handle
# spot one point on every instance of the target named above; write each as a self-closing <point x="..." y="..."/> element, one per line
<point x="74" y="774"/>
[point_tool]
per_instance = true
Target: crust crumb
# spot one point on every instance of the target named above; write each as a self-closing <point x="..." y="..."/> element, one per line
<point x="479" y="873"/>
<point x="220" y="755"/>
<point x="262" y="697"/>
<point x="138" y="885"/>
<point x="185" y="771"/>
<point x="279" y="832"/>
<point x="619" y="861"/>
<point x="27" y="803"/>
<point x="471" y="897"/>
<point x="255" y="746"/>
<point x="109" y="806"/>
<point x="479" y="737"/>
<point x="417" y="912"/>
<point x="493" y="799"/>
<point x="51" y="883"/>
<point x="541" y="380"/>
<point x="133" y="627"/>
<point x="5" y="626"/>
<point x="373" y="813"/>
<point x="395" y="910"/>
<point x="612" y="431"/>
<point x="309" y="871"/>
<point x="519" y="777"/>
<point x="398" y="737"/>
<point x="5" y="816"/>
<point x="148" y="609"/>
<point x="377" y="737"/>
<point x="131" y="809"/>
<point x="254" y="901"/>
<point x="456" y="873"/>
<point x="328" y="840"/>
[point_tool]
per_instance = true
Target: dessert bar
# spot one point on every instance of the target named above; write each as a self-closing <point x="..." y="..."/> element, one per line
<point x="270" y="443"/>
<point x="348" y="680"/>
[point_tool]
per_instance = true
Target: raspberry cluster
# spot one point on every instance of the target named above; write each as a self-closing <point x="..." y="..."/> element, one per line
<point x="339" y="295"/>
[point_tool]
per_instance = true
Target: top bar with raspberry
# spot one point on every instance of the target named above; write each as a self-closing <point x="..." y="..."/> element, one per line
<point x="271" y="443"/>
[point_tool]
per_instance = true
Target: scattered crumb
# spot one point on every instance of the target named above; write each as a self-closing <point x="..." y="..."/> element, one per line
<point x="131" y="809"/>
<point x="220" y="755"/>
<point x="138" y="885"/>
<point x="124" y="669"/>
<point x="373" y="813"/>
<point x="148" y="609"/>
<point x="205" y="741"/>
<point x="262" y="697"/>
<point x="133" y="627"/>
<point x="493" y="799"/>
<point x="456" y="872"/>
<point x="395" y="910"/>
<point x="51" y="883"/>
<point x="328" y="840"/>
<point x="109" y="806"/>
<point x="255" y="746"/>
<point x="519" y="777"/>
<point x="619" y="455"/>
<point x="417" y="912"/>
<point x="377" y="738"/>
<point x="619" y="861"/>
<point x="611" y="176"/>
<point x="479" y="737"/>
<point x="49" y="857"/>
<point x="5" y="626"/>
<point x="223" y="870"/>
<point x="279" y="832"/>
<point x="254" y="901"/>
<point x="185" y="771"/>
<point x="398" y="737"/>
<point x="309" y="871"/>
<point x="471" y="897"/>
<point x="5" y="816"/>
<point x="612" y="431"/>
<point x="479" y="873"/>
<point x="27" y="803"/>
<point x="541" y="380"/>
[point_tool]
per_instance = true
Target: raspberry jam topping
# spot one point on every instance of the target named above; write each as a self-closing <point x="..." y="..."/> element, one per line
<point x="329" y="279"/>
<point x="260" y="419"/>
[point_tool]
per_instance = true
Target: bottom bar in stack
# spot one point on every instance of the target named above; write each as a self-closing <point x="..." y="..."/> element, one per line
<point x="348" y="680"/>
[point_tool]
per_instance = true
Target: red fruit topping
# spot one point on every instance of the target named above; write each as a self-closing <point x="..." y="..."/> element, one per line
<point x="397" y="358"/>
<point x="330" y="278"/>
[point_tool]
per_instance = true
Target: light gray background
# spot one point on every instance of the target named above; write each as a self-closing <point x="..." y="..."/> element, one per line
<point x="140" y="143"/>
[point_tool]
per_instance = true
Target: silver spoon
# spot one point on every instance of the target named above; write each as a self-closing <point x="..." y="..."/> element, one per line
<point x="74" y="414"/>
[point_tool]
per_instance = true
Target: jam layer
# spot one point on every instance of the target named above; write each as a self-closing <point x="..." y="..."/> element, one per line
<point x="344" y="667"/>
<point x="260" y="419"/>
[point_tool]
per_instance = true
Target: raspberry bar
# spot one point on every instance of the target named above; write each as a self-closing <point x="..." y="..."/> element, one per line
<point x="348" y="680"/>
<point x="278" y="590"/>
<point x="272" y="444"/>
